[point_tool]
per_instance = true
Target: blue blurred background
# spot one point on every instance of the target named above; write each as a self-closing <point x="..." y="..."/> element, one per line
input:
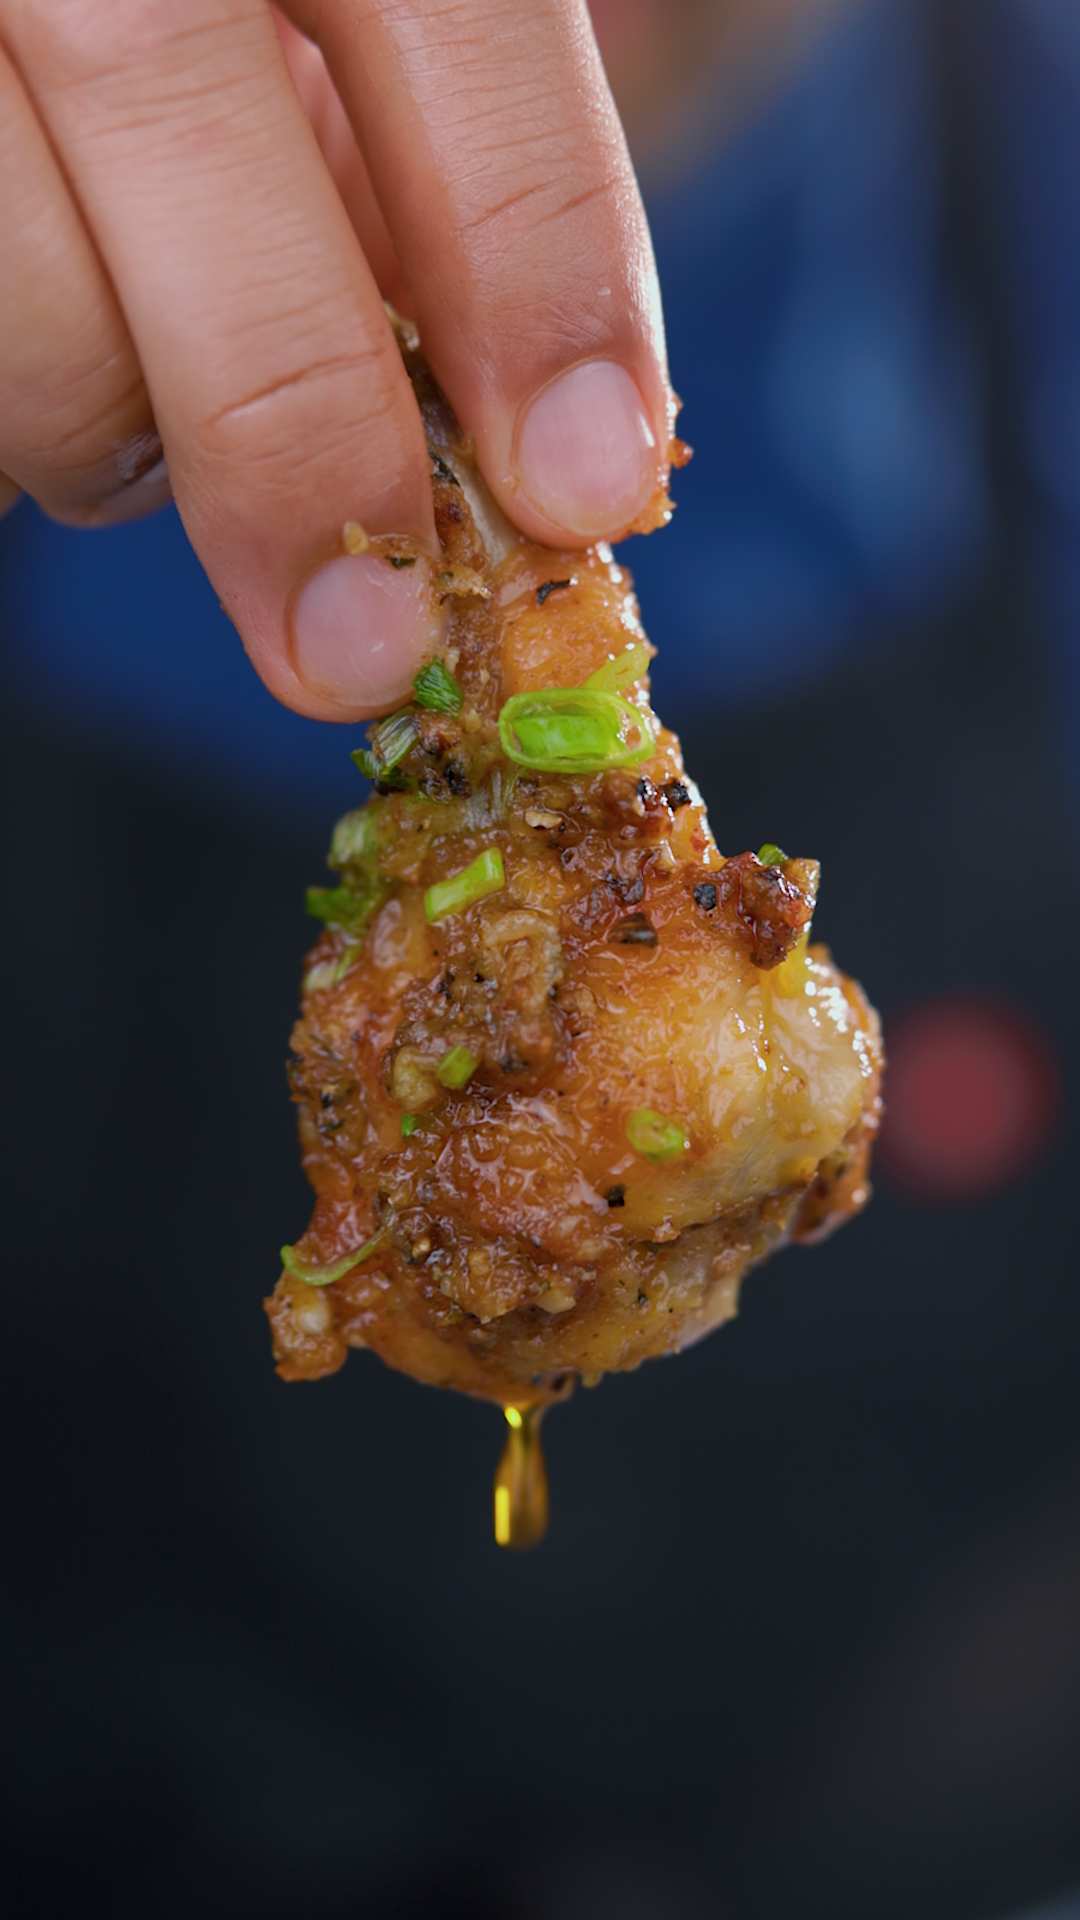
<point x="806" y="1636"/>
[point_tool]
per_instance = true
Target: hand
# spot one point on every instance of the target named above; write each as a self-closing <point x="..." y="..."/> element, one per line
<point x="195" y="256"/>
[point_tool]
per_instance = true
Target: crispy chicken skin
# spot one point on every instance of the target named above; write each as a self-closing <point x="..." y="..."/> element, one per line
<point x="625" y="1075"/>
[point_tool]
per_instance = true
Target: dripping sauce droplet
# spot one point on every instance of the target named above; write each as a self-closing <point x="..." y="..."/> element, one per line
<point x="521" y="1485"/>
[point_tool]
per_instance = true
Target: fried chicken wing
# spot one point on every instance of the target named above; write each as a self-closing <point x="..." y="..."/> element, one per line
<point x="564" y="1071"/>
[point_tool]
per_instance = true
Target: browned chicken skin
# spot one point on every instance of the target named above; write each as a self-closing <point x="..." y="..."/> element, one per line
<point x="550" y="1129"/>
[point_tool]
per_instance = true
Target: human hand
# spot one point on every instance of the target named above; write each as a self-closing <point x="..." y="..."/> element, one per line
<point x="194" y="272"/>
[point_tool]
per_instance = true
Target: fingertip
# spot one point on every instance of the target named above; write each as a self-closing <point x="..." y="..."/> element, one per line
<point x="528" y="259"/>
<point x="587" y="457"/>
<point x="360" y="627"/>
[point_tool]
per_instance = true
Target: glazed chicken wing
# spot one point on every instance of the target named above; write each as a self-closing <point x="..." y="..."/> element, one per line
<point x="564" y="1071"/>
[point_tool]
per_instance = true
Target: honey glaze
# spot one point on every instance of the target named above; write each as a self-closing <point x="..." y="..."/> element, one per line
<point x="521" y="1482"/>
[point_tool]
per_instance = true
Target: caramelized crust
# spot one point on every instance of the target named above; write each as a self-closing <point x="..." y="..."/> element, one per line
<point x="530" y="1225"/>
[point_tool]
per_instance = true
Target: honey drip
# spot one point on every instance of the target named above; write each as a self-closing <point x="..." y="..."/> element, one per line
<point x="521" y="1484"/>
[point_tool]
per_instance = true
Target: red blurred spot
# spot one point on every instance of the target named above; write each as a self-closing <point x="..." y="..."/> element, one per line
<point x="972" y="1096"/>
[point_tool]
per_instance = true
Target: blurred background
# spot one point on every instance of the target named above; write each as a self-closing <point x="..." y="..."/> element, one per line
<point x="804" y="1639"/>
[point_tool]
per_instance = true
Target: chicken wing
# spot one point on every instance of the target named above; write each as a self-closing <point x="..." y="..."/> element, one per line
<point x="564" y="1071"/>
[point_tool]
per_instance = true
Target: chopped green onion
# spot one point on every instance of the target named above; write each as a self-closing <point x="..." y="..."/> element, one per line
<point x="409" y="1124"/>
<point x="456" y="1067"/>
<point x="326" y="973"/>
<point x="318" y="978"/>
<point x="346" y="907"/>
<point x="618" y="674"/>
<point x="387" y="779"/>
<point x="482" y="876"/>
<point x="355" y="839"/>
<point x="335" y="905"/>
<point x="391" y="738"/>
<point x="771" y="855"/>
<point x="325" y="1276"/>
<point x="655" y="1136"/>
<point x="574" y="730"/>
<point x="390" y="742"/>
<point x="436" y="688"/>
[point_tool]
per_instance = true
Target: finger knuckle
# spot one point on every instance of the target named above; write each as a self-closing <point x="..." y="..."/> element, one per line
<point x="83" y="43"/>
<point x="77" y="441"/>
<point x="296" y="410"/>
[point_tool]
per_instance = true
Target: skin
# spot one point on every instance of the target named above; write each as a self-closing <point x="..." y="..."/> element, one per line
<point x="181" y="272"/>
<point x="204" y="209"/>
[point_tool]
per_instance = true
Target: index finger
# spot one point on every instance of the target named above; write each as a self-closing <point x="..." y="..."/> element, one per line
<point x="502" y="171"/>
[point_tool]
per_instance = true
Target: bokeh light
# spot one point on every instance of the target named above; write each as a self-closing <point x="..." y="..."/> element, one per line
<point x="972" y="1099"/>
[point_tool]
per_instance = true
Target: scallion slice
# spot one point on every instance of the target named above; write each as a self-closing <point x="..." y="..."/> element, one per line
<point x="355" y="839"/>
<point x="574" y="730"/>
<point x="325" y="1276"/>
<point x="390" y="742"/>
<point x="618" y="674"/>
<point x="409" y="1124"/>
<point x="456" y="1068"/>
<point x="345" y="908"/>
<point x="436" y="689"/>
<point x="771" y="855"/>
<point x="482" y="876"/>
<point x="391" y="738"/>
<point x="326" y="973"/>
<point x="321" y="977"/>
<point x="657" y="1137"/>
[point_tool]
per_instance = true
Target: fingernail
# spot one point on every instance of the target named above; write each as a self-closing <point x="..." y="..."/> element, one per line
<point x="361" y="628"/>
<point x="586" y="451"/>
<point x="144" y="495"/>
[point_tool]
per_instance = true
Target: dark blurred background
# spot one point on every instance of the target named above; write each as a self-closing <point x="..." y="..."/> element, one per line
<point x="804" y="1639"/>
